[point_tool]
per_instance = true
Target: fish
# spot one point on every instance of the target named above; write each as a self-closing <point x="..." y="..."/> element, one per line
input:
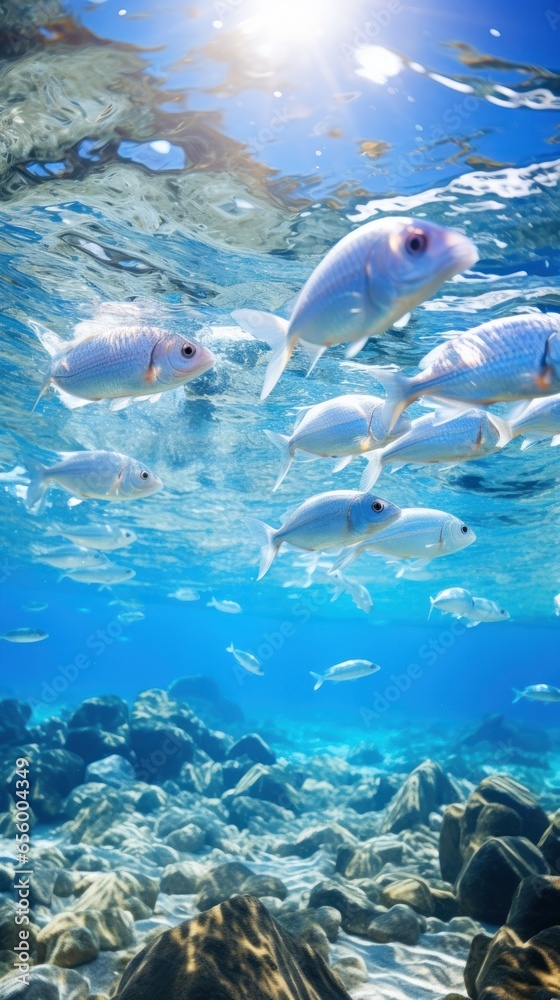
<point x="185" y="594"/>
<point x="70" y="557"/>
<point x="349" y="670"/>
<point x="106" y="576"/>
<point x="460" y="603"/>
<point x="340" y="428"/>
<point x="35" y="606"/>
<point x="246" y="660"/>
<point x="368" y="281"/>
<point x="128" y="617"/>
<point x="485" y="610"/>
<point x="557" y="604"/>
<point x="324" y="521"/>
<point x="228" y="607"/>
<point x="102" y="475"/>
<point x="448" y="436"/>
<point x="419" y="533"/>
<point x="359" y="594"/>
<point x="104" y="537"/>
<point x="535" y="420"/>
<point x="512" y="358"/>
<point x="121" y="363"/>
<point x="538" y="692"/>
<point x="24" y="635"/>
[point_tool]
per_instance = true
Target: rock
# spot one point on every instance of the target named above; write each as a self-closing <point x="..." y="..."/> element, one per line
<point x="506" y="736"/>
<point x="446" y="905"/>
<point x="426" y="788"/>
<point x="189" y="839"/>
<point x="93" y="744"/>
<point x="505" y="968"/>
<point x="487" y="884"/>
<point x="314" y="838"/>
<point x="205" y="694"/>
<point x="264" y="885"/>
<point x="150" y="800"/>
<point x="359" y="862"/>
<point x="267" y="783"/>
<point x="182" y="878"/>
<point x="67" y="941"/>
<point x="373" y="795"/>
<point x="41" y="884"/>
<point x="120" y="890"/>
<point x="245" y="811"/>
<point x="450" y="854"/>
<point x="161" y="749"/>
<point x="114" y="770"/>
<point x="14" y="716"/>
<point x="351" y="970"/>
<point x="108" y="712"/>
<point x="303" y="926"/>
<point x="414" y="892"/>
<point x="235" y="951"/>
<point x="220" y="883"/>
<point x="365" y="754"/>
<point x="254" y="747"/>
<point x="46" y="982"/>
<point x="55" y="774"/>
<point x="506" y="791"/>
<point x="82" y="797"/>
<point x="400" y="923"/>
<point x="92" y="824"/>
<point x="356" y="910"/>
<point x="535" y="906"/>
<point x="65" y="884"/>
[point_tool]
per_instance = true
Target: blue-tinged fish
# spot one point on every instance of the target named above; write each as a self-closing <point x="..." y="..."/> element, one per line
<point x="103" y="537"/>
<point x="324" y="521"/>
<point x="538" y="692"/>
<point x="101" y="475"/>
<point x="460" y="603"/>
<point x="366" y="283"/>
<point x="121" y="363"/>
<point x="446" y="436"/>
<point x="106" y="576"/>
<point x="24" y="635"/>
<point x="246" y="660"/>
<point x="227" y="607"/>
<point x="70" y="557"/>
<point x="349" y="670"/>
<point x="538" y="419"/>
<point x="339" y="428"/>
<point x="517" y="357"/>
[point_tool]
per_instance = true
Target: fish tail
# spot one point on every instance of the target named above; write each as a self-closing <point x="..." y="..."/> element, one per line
<point x="398" y="394"/>
<point x="319" y="678"/>
<point x="432" y="606"/>
<point x="372" y="471"/>
<point x="230" y="648"/>
<point x="518" y="695"/>
<point x="44" y="388"/>
<point x="266" y="537"/>
<point x="274" y="331"/>
<point x="50" y="341"/>
<point x="282" y="442"/>
<point x="38" y="483"/>
<point x="504" y="429"/>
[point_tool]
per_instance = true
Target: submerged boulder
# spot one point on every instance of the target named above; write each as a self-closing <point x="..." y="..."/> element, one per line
<point x="425" y="789"/>
<point x="108" y="712"/>
<point x="488" y="883"/>
<point x="254" y="747"/>
<point x="47" y="982"/>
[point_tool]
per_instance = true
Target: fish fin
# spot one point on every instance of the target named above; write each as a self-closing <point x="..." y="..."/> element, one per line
<point x="515" y="411"/>
<point x="211" y="603"/>
<point x="338" y="590"/>
<point x="71" y="402"/>
<point x="341" y="463"/>
<point x="319" y="678"/>
<point x="44" y="388"/>
<point x="503" y="428"/>
<point x="74" y="501"/>
<point x="301" y="411"/>
<point x="315" y="352"/>
<point x="266" y="537"/>
<point x="372" y="471"/>
<point x="38" y="484"/>
<point x="555" y="441"/>
<point x="414" y="565"/>
<point x="472" y="624"/>
<point x="282" y="442"/>
<point x="52" y="343"/>
<point x="120" y="403"/>
<point x="353" y="349"/>
<point x="529" y="442"/>
<point x="443" y="412"/>
<point x="518" y="695"/>
<point x="432" y="606"/>
<point x="397" y="389"/>
<point x="155" y="398"/>
<point x="274" y="331"/>
<point x="230" y="648"/>
<point x="399" y="324"/>
<point x="346" y="557"/>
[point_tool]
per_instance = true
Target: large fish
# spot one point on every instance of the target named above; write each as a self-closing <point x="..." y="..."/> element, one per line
<point x="324" y="521"/>
<point x="367" y="282"/>
<point x="538" y="419"/>
<point x="448" y="436"/>
<point x="338" y="428"/>
<point x="101" y="475"/>
<point x="538" y="692"/>
<point x="517" y="357"/>
<point x="24" y="635"/>
<point x="121" y="363"/>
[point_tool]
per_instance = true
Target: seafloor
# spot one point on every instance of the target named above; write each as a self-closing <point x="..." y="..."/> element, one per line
<point x="185" y="859"/>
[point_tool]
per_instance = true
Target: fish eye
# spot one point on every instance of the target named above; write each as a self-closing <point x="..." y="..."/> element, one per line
<point x="464" y="529"/>
<point x="502" y="612"/>
<point x="144" y="474"/>
<point x="188" y="350"/>
<point x="416" y="243"/>
<point x="377" y="505"/>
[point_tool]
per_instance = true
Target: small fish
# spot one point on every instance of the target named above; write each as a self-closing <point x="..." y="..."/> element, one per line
<point x="121" y="363"/>
<point x="443" y="436"/>
<point x="228" y="607"/>
<point x="460" y="603"/>
<point x="538" y="692"/>
<point x="35" y="606"/>
<point x="485" y="610"/>
<point x="106" y="576"/>
<point x="419" y="533"/>
<point x="513" y="358"/>
<point x="339" y="428"/>
<point x="246" y="660"/>
<point x="349" y="670"/>
<point x="538" y="419"/>
<point x="104" y="537"/>
<point x="70" y="557"/>
<point x="102" y="475"/>
<point x="367" y="282"/>
<point x="359" y="594"/>
<point x="24" y="635"/>
<point x="185" y="594"/>
<point x="324" y="521"/>
<point x="128" y="617"/>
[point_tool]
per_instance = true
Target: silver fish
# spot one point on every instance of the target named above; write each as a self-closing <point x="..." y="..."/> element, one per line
<point x="485" y="610"/>
<point x="420" y="533"/>
<point x="128" y="617"/>
<point x="359" y="594"/>
<point x="449" y="436"/>
<point x="185" y="594"/>
<point x="517" y="357"/>
<point x="106" y="576"/>
<point x="349" y="670"/>
<point x="538" y="692"/>
<point x="324" y="521"/>
<point x="367" y="282"/>
<point x="103" y="475"/>
<point x="121" y="363"/>
<point x="246" y="660"/>
<point x="24" y="635"/>
<point x="103" y="537"/>
<point x="460" y="603"/>
<point x="538" y="419"/>
<point x="70" y="557"/>
<point x="227" y="607"/>
<point x="339" y="428"/>
<point x="35" y="606"/>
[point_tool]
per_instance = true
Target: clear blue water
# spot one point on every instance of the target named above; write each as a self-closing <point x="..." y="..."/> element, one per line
<point x="187" y="162"/>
